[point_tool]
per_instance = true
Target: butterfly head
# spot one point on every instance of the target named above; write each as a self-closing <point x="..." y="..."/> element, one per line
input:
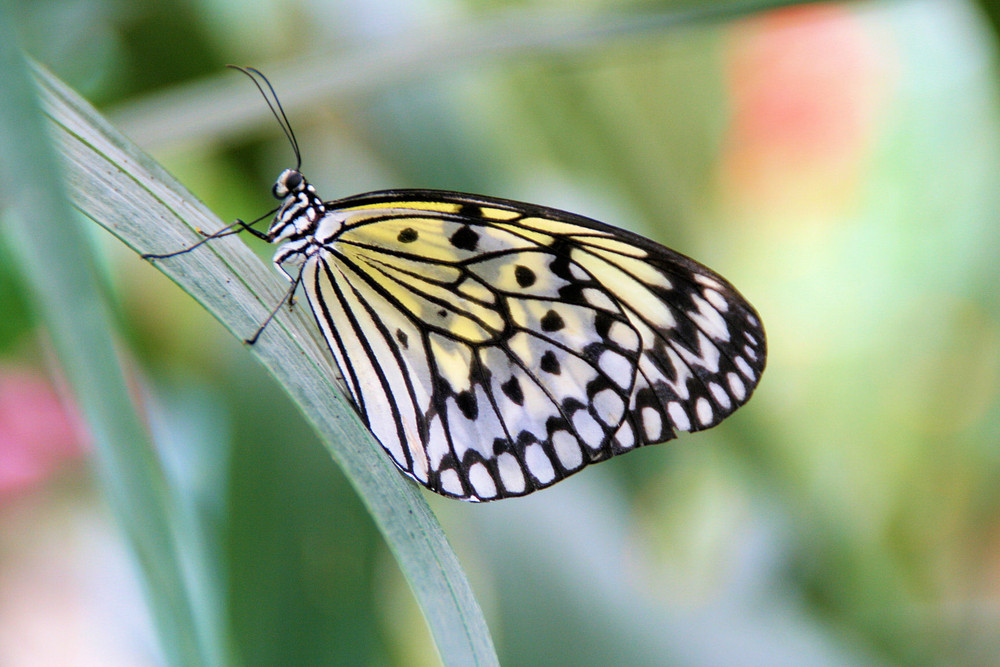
<point x="300" y="208"/>
<point x="290" y="181"/>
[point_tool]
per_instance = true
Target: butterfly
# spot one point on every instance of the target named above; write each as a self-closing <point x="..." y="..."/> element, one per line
<point x="495" y="347"/>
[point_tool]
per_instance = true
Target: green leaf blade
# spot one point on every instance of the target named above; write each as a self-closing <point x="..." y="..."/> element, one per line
<point x="127" y="193"/>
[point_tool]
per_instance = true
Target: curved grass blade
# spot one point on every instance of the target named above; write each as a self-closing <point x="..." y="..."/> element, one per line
<point x="51" y="248"/>
<point x="129" y="194"/>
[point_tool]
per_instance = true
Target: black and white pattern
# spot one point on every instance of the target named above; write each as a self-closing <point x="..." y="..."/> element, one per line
<point x="495" y="347"/>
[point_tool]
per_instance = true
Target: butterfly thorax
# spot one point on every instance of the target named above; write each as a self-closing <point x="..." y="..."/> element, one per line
<point x="300" y="211"/>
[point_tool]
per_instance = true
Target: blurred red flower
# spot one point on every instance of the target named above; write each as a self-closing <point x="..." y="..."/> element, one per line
<point x="38" y="431"/>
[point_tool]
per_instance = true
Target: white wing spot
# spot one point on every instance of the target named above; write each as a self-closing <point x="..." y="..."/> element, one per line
<point x="752" y="320"/>
<point x="451" y="483"/>
<point x="616" y="367"/>
<point x="578" y="271"/>
<point x="682" y="372"/>
<point x="678" y="416"/>
<point x="437" y="442"/>
<point x="744" y="367"/>
<point x="736" y="386"/>
<point x="709" y="319"/>
<point x="624" y="335"/>
<point x="599" y="299"/>
<point x="716" y="300"/>
<point x="481" y="481"/>
<point x="750" y="338"/>
<point x="567" y="449"/>
<point x="652" y="423"/>
<point x="538" y="463"/>
<point x="721" y="397"/>
<point x="609" y="407"/>
<point x="510" y="473"/>
<point x="625" y="436"/>
<point x="750" y="352"/>
<point x="588" y="430"/>
<point x="708" y="282"/>
<point x="704" y="410"/>
<point x="707" y="356"/>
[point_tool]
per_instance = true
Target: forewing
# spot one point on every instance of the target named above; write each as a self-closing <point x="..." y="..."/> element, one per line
<point x="703" y="344"/>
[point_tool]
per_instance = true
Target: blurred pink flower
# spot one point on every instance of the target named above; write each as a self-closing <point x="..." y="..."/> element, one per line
<point x="37" y="430"/>
<point x="806" y="85"/>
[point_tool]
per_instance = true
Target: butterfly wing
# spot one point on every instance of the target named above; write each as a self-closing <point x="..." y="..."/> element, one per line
<point x="703" y="345"/>
<point x="495" y="347"/>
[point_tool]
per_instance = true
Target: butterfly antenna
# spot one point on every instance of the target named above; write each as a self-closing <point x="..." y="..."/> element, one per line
<point x="276" y="109"/>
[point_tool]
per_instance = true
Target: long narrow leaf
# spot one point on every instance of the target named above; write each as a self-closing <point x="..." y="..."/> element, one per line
<point x="129" y="194"/>
<point x="51" y="248"/>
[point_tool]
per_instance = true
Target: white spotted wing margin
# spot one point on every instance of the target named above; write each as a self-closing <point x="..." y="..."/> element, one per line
<point x="495" y="347"/>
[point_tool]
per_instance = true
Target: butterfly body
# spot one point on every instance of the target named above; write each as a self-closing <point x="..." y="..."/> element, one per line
<point x="495" y="347"/>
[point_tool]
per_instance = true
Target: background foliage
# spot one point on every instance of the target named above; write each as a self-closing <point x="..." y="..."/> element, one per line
<point x="839" y="163"/>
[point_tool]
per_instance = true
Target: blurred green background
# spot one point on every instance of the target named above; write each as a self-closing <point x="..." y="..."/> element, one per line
<point x="839" y="163"/>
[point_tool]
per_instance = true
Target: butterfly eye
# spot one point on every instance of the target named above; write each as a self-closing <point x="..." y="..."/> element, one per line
<point x="289" y="181"/>
<point x="292" y="180"/>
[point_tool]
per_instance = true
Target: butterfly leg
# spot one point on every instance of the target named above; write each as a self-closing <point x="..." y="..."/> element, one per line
<point x="225" y="231"/>
<point x="245" y="227"/>
<point x="235" y="228"/>
<point x="289" y="298"/>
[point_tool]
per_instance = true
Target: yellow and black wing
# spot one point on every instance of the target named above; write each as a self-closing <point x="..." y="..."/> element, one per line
<point x="495" y="347"/>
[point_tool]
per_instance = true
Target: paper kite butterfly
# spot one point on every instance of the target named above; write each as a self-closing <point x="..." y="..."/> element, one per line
<point x="494" y="347"/>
